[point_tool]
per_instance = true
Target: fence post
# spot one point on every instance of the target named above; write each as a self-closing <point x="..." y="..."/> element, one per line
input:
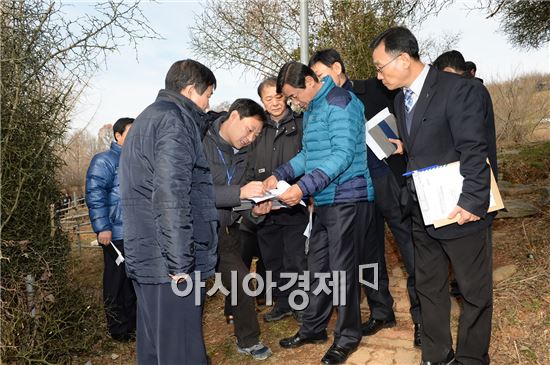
<point x="52" y="220"/>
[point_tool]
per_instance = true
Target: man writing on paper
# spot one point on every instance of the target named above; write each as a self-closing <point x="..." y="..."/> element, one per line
<point x="103" y="201"/>
<point x="440" y="118"/>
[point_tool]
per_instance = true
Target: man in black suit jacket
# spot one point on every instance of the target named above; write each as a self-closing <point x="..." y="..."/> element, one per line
<point x="441" y="121"/>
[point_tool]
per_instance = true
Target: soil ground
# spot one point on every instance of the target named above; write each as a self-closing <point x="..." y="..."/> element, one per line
<point x="521" y="319"/>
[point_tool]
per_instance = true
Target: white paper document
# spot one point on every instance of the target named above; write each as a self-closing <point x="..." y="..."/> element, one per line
<point x="378" y="129"/>
<point x="272" y="194"/>
<point x="438" y="189"/>
<point x="120" y="259"/>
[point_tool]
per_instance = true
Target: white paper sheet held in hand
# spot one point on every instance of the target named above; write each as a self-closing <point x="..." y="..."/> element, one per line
<point x="272" y="194"/>
<point x="438" y="189"/>
<point x="119" y="259"/>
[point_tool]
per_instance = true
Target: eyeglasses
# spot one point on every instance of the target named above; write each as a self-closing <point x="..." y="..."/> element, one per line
<point x="379" y="69"/>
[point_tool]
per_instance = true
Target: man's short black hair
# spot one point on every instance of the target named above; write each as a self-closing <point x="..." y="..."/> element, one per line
<point x="294" y="74"/>
<point x="397" y="40"/>
<point x="270" y="81"/>
<point x="452" y="59"/>
<point x="120" y="125"/>
<point x="327" y="57"/>
<point x="469" y="66"/>
<point x="189" y="72"/>
<point x="248" y="108"/>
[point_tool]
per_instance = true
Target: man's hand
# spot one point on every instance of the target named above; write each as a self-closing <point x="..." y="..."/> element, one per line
<point x="292" y="196"/>
<point x="178" y="278"/>
<point x="262" y="208"/>
<point x="270" y="182"/>
<point x="464" y="217"/>
<point x="252" y="189"/>
<point x="104" y="237"/>
<point x="400" y="148"/>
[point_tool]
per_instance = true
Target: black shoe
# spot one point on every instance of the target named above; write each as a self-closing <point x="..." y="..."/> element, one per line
<point x="449" y="360"/>
<point x="417" y="340"/>
<point x="297" y="340"/>
<point x="298" y="316"/>
<point x="277" y="314"/>
<point x="373" y="325"/>
<point x="337" y="355"/>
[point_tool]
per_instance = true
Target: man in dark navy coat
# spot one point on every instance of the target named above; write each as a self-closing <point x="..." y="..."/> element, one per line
<point x="441" y="120"/>
<point x="170" y="219"/>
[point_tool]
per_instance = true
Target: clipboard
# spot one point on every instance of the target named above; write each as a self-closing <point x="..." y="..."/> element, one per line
<point x="438" y="189"/>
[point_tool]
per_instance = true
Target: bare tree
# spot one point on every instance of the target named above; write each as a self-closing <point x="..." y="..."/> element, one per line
<point x="262" y="35"/>
<point x="527" y="23"/>
<point x="105" y="136"/>
<point x="520" y="105"/>
<point x="47" y="58"/>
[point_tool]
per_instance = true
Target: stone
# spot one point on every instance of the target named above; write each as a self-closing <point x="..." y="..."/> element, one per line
<point x="504" y="272"/>
<point x="517" y="208"/>
<point x="513" y="190"/>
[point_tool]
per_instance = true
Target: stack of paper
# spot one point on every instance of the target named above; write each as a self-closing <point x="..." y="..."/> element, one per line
<point x="438" y="189"/>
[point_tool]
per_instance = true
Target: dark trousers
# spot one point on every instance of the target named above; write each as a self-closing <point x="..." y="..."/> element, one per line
<point x="388" y="208"/>
<point x="119" y="298"/>
<point x="470" y="258"/>
<point x="334" y="247"/>
<point x="283" y="251"/>
<point x="169" y="330"/>
<point x="247" y="329"/>
<point x="371" y="248"/>
<point x="249" y="250"/>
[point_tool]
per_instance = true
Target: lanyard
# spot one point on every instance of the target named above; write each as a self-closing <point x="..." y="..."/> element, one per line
<point x="228" y="172"/>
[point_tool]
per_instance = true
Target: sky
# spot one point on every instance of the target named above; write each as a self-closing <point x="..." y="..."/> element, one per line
<point x="127" y="85"/>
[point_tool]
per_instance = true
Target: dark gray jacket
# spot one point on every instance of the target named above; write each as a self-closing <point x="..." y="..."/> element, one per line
<point x="170" y="220"/>
<point x="228" y="172"/>
<point x="277" y="144"/>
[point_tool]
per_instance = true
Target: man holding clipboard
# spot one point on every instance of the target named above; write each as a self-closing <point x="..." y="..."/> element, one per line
<point x="440" y="119"/>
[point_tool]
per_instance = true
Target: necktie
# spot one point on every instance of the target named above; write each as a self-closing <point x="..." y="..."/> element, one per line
<point x="408" y="99"/>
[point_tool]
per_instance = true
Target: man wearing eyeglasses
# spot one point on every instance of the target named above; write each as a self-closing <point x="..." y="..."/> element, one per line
<point x="440" y="119"/>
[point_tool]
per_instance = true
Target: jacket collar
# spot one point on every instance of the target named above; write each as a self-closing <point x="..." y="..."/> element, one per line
<point x="289" y="116"/>
<point x="214" y="134"/>
<point x="115" y="147"/>
<point x="328" y="84"/>
<point x="422" y="103"/>
<point x="348" y="85"/>
<point x="199" y="116"/>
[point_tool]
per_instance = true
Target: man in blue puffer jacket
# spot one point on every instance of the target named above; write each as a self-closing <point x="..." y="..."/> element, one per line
<point x="333" y="169"/>
<point x="170" y="217"/>
<point x="103" y="200"/>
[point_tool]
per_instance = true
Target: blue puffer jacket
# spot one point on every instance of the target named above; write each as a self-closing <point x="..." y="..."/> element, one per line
<point x="103" y="194"/>
<point x="170" y="217"/>
<point x="333" y="159"/>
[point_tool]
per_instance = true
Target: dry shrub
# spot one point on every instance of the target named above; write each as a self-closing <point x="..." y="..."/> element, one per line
<point x="519" y="105"/>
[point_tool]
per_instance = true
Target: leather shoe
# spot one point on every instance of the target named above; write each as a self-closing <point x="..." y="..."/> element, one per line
<point x="372" y="326"/>
<point x="297" y="340"/>
<point x="337" y="355"/>
<point x="449" y="360"/>
<point x="417" y="340"/>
